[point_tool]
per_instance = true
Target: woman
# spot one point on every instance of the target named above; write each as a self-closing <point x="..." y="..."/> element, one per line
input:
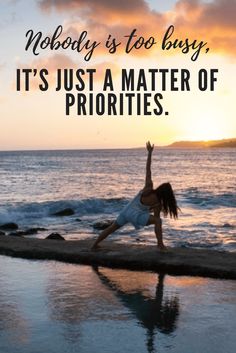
<point x="138" y="211"/>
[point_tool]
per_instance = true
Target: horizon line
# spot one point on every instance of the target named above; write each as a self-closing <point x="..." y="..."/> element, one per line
<point x="115" y="148"/>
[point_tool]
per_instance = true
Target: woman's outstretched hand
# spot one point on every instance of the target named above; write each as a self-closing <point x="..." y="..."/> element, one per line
<point x="149" y="147"/>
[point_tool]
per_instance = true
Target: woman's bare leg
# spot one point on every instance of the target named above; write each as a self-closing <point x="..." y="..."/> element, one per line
<point x="111" y="229"/>
<point x="158" y="230"/>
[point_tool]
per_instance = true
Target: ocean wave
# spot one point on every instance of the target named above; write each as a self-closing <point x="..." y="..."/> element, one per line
<point x="207" y="199"/>
<point x="36" y="210"/>
<point x="92" y="206"/>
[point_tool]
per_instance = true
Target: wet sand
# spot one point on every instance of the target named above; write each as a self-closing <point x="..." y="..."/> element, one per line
<point x="177" y="261"/>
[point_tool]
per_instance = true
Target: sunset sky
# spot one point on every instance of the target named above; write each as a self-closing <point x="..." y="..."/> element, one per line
<point x="37" y="120"/>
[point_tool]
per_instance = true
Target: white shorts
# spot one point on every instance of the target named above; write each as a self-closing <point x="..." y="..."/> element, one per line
<point x="138" y="218"/>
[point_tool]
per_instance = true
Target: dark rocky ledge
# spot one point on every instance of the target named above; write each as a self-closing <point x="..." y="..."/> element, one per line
<point x="178" y="261"/>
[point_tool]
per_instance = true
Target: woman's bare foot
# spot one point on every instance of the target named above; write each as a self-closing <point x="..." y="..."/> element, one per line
<point x="95" y="248"/>
<point x="162" y="247"/>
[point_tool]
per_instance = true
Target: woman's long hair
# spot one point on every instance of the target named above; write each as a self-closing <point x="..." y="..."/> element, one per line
<point x="166" y="197"/>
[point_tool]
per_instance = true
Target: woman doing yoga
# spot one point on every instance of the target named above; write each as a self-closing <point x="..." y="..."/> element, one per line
<point x="145" y="208"/>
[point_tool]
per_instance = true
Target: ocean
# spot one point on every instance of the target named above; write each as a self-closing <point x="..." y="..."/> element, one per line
<point x="97" y="184"/>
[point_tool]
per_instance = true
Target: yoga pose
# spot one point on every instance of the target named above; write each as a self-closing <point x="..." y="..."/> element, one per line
<point x="146" y="206"/>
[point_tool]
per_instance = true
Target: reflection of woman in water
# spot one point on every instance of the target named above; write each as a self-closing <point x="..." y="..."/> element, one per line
<point x="138" y="211"/>
<point x="152" y="313"/>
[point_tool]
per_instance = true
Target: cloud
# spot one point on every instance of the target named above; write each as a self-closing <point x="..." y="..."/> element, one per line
<point x="101" y="8"/>
<point x="104" y="17"/>
<point x="61" y="61"/>
<point x="2" y="65"/>
<point x="105" y="13"/>
<point x="54" y="62"/>
<point x="218" y="13"/>
<point x="213" y="21"/>
<point x="101" y="68"/>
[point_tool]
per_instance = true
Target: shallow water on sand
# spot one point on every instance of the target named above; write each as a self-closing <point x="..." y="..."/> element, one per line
<point x="57" y="307"/>
<point x="97" y="184"/>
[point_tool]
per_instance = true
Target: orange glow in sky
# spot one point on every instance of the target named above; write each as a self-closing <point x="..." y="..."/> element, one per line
<point x="37" y="120"/>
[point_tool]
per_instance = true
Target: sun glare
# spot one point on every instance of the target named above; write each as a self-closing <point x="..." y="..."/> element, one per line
<point x="207" y="126"/>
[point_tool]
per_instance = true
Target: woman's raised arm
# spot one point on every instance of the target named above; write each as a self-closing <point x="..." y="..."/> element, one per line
<point x="148" y="180"/>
